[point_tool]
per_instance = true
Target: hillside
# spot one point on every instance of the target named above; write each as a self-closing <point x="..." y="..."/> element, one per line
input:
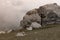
<point x="52" y="33"/>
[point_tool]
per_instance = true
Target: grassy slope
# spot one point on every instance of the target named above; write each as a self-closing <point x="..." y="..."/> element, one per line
<point x="52" y="33"/>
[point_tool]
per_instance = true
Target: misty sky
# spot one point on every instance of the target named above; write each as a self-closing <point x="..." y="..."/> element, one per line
<point x="12" y="11"/>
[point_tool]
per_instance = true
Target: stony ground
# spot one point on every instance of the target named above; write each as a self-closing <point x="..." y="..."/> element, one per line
<point x="52" y="32"/>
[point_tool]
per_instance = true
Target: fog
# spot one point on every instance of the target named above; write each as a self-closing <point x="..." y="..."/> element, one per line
<point x="12" y="11"/>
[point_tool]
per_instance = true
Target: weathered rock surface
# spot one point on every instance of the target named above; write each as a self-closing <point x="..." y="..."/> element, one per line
<point x="46" y="14"/>
<point x="35" y="25"/>
<point x="50" y="13"/>
<point x="31" y="16"/>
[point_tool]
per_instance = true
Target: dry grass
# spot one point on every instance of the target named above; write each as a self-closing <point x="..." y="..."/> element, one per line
<point x="52" y="32"/>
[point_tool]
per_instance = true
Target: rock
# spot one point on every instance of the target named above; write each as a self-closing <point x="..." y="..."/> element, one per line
<point x="9" y="31"/>
<point x="49" y="13"/>
<point x="31" y="16"/>
<point x="20" y="34"/>
<point x="46" y="14"/>
<point x="29" y="28"/>
<point x="2" y="32"/>
<point x="35" y="25"/>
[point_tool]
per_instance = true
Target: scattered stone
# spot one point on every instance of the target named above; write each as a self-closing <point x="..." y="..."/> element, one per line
<point x="9" y="31"/>
<point x="29" y="28"/>
<point x="20" y="34"/>
<point x="2" y="32"/>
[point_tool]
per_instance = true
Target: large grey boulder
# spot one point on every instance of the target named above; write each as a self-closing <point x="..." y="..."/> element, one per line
<point x="50" y="13"/>
<point x="46" y="14"/>
<point x="31" y="16"/>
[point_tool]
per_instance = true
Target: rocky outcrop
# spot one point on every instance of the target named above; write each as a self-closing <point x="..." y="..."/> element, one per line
<point x="50" y="13"/>
<point x="46" y="14"/>
<point x="31" y="16"/>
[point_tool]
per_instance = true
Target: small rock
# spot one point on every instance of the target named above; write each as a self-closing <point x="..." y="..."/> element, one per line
<point x="2" y="32"/>
<point x="29" y="28"/>
<point x="20" y="34"/>
<point x="9" y="31"/>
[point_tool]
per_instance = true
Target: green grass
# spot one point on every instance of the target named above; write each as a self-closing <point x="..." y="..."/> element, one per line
<point x="50" y="32"/>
